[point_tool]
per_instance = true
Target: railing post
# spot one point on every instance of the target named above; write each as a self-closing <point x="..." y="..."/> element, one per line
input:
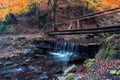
<point x="78" y="24"/>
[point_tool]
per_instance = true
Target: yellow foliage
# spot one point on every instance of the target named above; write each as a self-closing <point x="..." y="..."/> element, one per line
<point x="16" y="6"/>
<point x="103" y="4"/>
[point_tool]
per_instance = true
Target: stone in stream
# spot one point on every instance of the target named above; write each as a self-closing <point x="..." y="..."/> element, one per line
<point x="61" y="78"/>
<point x="12" y="70"/>
<point x="27" y="51"/>
<point x="33" y="69"/>
<point x="69" y="69"/>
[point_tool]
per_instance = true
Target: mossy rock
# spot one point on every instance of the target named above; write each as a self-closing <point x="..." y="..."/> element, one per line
<point x="69" y="76"/>
<point x="110" y="48"/>
<point x="20" y="38"/>
<point x="115" y="72"/>
<point x="38" y="38"/>
<point x="19" y="41"/>
<point x="118" y="73"/>
<point x="89" y="62"/>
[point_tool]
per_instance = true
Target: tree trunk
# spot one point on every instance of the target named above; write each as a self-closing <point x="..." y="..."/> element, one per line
<point x="54" y="13"/>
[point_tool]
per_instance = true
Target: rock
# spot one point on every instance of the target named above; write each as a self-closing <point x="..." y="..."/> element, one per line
<point x="113" y="72"/>
<point x="62" y="78"/>
<point x="17" y="52"/>
<point x="33" y="69"/>
<point x="89" y="62"/>
<point x="8" y="63"/>
<point x="75" y="37"/>
<point x="12" y="70"/>
<point x="27" y="51"/>
<point x="72" y="76"/>
<point x="20" y="38"/>
<point x="69" y="69"/>
<point x="66" y="39"/>
<point x="118" y="73"/>
<point x="38" y="38"/>
<point x="69" y="76"/>
<point x="90" y="36"/>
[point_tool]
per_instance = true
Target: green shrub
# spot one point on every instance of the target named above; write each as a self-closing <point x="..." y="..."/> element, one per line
<point x="5" y="29"/>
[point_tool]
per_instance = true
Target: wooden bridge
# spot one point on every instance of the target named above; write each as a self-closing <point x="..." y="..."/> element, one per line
<point x="105" y="29"/>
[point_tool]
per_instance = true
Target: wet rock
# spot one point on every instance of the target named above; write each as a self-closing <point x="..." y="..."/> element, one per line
<point x="27" y="60"/>
<point x="43" y="77"/>
<point x="33" y="69"/>
<point x="12" y="70"/>
<point x="61" y="78"/>
<point x="8" y="77"/>
<point x="69" y="69"/>
<point x="8" y="63"/>
<point x="1" y="62"/>
<point x="56" y="71"/>
<point x="27" y="51"/>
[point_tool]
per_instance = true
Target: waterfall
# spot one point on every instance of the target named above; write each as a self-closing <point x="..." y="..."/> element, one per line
<point x="66" y="51"/>
<point x="63" y="51"/>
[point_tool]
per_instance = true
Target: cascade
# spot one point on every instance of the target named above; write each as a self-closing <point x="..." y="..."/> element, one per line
<point x="66" y="51"/>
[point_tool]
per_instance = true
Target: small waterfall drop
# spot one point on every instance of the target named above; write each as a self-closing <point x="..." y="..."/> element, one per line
<point x="63" y="51"/>
<point x="66" y="51"/>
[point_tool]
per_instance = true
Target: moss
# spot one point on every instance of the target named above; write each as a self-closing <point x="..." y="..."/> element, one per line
<point x="20" y="38"/>
<point x="38" y="38"/>
<point x="107" y="50"/>
<point x="89" y="62"/>
<point x="115" y="72"/>
<point x="118" y="73"/>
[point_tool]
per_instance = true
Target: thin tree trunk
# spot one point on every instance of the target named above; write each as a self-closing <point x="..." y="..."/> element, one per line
<point x="54" y="13"/>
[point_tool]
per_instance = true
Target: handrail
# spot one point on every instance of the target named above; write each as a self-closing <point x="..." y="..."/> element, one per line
<point x="105" y="29"/>
<point x="87" y="16"/>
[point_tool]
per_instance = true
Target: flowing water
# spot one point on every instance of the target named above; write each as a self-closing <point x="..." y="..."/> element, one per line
<point x="65" y="51"/>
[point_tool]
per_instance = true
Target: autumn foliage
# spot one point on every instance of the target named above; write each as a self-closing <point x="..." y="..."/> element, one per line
<point x="102" y="4"/>
<point x="24" y="6"/>
<point x="16" y="6"/>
